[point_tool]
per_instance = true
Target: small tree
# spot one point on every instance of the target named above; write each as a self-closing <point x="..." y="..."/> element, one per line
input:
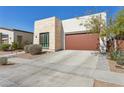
<point x="96" y="24"/>
<point x="119" y="24"/>
<point x="115" y="30"/>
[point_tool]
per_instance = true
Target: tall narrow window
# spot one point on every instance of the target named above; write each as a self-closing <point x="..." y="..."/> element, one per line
<point x="44" y="40"/>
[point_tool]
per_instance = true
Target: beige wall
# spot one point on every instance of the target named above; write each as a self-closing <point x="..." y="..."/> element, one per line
<point x="10" y="34"/>
<point x="51" y="25"/>
<point x="26" y="37"/>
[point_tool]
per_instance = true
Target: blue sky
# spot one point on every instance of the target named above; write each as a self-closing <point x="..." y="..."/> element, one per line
<point x="23" y="17"/>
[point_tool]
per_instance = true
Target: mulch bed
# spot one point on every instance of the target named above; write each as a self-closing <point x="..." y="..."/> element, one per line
<point x="114" y="67"/>
<point x="98" y="83"/>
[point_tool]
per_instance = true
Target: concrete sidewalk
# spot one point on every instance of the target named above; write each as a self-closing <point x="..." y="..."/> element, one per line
<point x="102" y="63"/>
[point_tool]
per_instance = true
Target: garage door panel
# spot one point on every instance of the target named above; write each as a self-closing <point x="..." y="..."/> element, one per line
<point x="82" y="42"/>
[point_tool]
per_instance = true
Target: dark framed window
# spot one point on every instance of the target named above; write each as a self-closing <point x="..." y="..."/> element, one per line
<point x="44" y="40"/>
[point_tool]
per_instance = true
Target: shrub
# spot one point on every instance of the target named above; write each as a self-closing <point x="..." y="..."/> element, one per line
<point x="35" y="49"/>
<point x="114" y="55"/>
<point x="26" y="48"/>
<point x="120" y="59"/>
<point x="14" y="46"/>
<point x="3" y="60"/>
<point x="5" y="47"/>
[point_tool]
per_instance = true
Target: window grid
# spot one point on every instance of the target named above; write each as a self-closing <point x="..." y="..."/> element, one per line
<point x="44" y="40"/>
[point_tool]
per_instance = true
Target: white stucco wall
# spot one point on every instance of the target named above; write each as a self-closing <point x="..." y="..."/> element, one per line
<point x="9" y="33"/>
<point x="73" y="24"/>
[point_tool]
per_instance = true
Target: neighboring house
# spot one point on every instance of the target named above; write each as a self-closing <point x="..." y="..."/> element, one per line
<point x="13" y="35"/>
<point x="54" y="34"/>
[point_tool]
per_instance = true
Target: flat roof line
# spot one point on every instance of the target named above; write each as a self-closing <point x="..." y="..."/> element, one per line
<point x="15" y="30"/>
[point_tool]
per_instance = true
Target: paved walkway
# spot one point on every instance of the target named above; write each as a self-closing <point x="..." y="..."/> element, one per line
<point x="102" y="63"/>
<point x="64" y="68"/>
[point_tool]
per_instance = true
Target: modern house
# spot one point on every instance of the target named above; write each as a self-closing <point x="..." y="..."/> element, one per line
<point x="14" y="35"/>
<point x="55" y="34"/>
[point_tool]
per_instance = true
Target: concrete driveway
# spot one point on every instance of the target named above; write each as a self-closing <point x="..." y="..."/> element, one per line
<point x="61" y="69"/>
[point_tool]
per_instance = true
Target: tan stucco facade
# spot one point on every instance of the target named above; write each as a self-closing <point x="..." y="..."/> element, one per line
<point x="12" y="35"/>
<point x="54" y="27"/>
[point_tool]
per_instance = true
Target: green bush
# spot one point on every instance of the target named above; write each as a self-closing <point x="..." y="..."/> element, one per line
<point x="35" y="49"/>
<point x="120" y="59"/>
<point x="14" y="46"/>
<point x="5" y="47"/>
<point x="114" y="55"/>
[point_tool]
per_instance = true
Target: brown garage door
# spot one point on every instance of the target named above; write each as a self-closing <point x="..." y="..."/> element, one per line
<point x="82" y="42"/>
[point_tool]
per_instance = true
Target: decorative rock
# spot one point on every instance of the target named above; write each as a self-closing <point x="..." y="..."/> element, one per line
<point x="3" y="60"/>
<point x="35" y="49"/>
